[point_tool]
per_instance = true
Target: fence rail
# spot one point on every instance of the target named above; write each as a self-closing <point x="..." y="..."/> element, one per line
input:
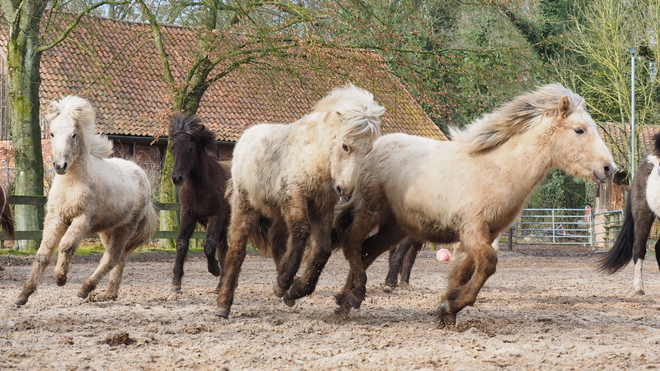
<point x="41" y="201"/>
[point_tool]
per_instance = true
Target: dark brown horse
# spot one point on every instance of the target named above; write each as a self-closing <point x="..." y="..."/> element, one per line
<point x="401" y="261"/>
<point x="6" y="217"/>
<point x="642" y="208"/>
<point x="203" y="183"/>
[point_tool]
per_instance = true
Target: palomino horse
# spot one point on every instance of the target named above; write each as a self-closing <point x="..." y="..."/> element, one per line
<point x="467" y="190"/>
<point x="203" y="182"/>
<point x="642" y="208"/>
<point x="293" y="174"/>
<point x="90" y="193"/>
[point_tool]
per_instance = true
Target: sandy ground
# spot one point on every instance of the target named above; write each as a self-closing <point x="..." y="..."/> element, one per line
<point x="545" y="308"/>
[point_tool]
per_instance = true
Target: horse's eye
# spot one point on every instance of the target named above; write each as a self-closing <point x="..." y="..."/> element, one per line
<point x="52" y="135"/>
<point x="190" y="149"/>
<point x="74" y="135"/>
<point x="579" y="130"/>
<point x="344" y="147"/>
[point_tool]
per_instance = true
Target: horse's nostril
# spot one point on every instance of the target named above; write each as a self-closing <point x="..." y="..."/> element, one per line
<point x="339" y="190"/>
<point x="608" y="170"/>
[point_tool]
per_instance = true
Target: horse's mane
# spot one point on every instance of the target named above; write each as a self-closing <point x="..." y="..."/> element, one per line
<point x="515" y="117"/>
<point x="185" y="128"/>
<point x="82" y="112"/>
<point x="359" y="111"/>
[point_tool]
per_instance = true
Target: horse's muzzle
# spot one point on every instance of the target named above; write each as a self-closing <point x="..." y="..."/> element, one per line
<point x="606" y="174"/>
<point x="177" y="179"/>
<point x="61" y="170"/>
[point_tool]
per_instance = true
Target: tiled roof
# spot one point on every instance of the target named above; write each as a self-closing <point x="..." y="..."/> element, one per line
<point x="617" y="139"/>
<point x="132" y="98"/>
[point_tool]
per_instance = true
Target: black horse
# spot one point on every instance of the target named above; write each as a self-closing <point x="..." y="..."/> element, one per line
<point x="203" y="181"/>
<point x="401" y="261"/>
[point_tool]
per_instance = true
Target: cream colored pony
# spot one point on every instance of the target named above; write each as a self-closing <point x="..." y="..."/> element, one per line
<point x="294" y="174"/>
<point x="90" y="193"/>
<point x="467" y="190"/>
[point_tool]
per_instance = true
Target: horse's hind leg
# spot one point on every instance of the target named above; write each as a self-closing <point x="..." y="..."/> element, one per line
<point x="112" y="291"/>
<point x="299" y="227"/>
<point x="115" y="242"/>
<point x="188" y="224"/>
<point x="469" y="274"/>
<point x="54" y="229"/>
<point x="317" y="258"/>
<point x="223" y="247"/>
<point x="409" y="261"/>
<point x="243" y="220"/>
<point x="395" y="264"/>
<point x="78" y="229"/>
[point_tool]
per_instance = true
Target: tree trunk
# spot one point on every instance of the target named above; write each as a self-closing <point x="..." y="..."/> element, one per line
<point x="23" y="60"/>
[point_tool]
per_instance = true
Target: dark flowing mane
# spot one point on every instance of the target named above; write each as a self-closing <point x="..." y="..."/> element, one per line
<point x="190" y="128"/>
<point x="515" y="117"/>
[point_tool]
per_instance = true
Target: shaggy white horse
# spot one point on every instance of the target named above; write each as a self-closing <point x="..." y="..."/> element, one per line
<point x="90" y="193"/>
<point x="467" y="190"/>
<point x="294" y="174"/>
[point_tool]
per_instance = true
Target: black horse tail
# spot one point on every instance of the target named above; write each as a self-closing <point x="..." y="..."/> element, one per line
<point x="621" y="253"/>
<point x="7" y="222"/>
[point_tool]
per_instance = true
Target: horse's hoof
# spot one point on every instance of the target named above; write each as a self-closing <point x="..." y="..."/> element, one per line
<point x="82" y="294"/>
<point x="176" y="288"/>
<point x="60" y="281"/>
<point x="640" y="292"/>
<point x="288" y="301"/>
<point x="222" y="312"/>
<point x="214" y="270"/>
<point x="20" y="302"/>
<point x="388" y="289"/>
<point x="445" y="317"/>
<point x="354" y="302"/>
<point x="278" y="290"/>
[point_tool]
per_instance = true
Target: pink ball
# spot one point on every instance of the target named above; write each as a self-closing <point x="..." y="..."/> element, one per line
<point x="443" y="255"/>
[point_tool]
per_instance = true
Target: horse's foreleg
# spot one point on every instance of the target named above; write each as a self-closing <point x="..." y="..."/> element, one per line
<point x="299" y="228"/>
<point x="243" y="219"/>
<point x="317" y="258"/>
<point x="188" y="223"/>
<point x="115" y="243"/>
<point x="213" y="231"/>
<point x="54" y="229"/>
<point x="409" y="260"/>
<point x="78" y="229"/>
<point x="395" y="264"/>
<point x="468" y="276"/>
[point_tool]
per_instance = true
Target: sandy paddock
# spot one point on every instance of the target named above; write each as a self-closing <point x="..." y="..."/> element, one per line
<point x="545" y="308"/>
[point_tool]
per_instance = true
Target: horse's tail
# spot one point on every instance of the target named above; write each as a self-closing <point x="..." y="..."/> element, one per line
<point x="146" y="228"/>
<point x="7" y="221"/>
<point x="621" y="253"/>
<point x="258" y="236"/>
<point x="342" y="222"/>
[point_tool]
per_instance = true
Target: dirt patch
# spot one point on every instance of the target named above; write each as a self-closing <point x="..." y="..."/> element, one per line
<point x="545" y="308"/>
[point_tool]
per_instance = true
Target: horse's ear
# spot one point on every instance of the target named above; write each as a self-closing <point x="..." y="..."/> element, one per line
<point x="564" y="107"/>
<point x="53" y="111"/>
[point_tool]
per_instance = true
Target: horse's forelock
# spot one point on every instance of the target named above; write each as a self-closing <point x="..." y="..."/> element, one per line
<point x="187" y="128"/>
<point x="359" y="113"/>
<point x="517" y="116"/>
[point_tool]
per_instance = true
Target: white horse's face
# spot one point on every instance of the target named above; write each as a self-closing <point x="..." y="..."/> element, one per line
<point x="579" y="150"/>
<point x="65" y="142"/>
<point x="346" y="157"/>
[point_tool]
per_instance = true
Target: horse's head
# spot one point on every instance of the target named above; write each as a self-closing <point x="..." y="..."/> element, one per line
<point x="578" y="148"/>
<point x="70" y="124"/>
<point x="190" y="141"/>
<point x="355" y="115"/>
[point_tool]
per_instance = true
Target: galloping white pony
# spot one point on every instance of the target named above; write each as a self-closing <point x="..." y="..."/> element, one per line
<point x="90" y="193"/>
<point x="294" y="174"/>
<point x="467" y="190"/>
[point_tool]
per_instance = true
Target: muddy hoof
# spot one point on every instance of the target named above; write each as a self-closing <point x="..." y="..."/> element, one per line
<point x="278" y="290"/>
<point x="640" y="292"/>
<point x="288" y="301"/>
<point x="354" y="302"/>
<point x="388" y="289"/>
<point x="222" y="312"/>
<point x="20" y="301"/>
<point x="82" y="294"/>
<point x="445" y="317"/>
<point x="60" y="281"/>
<point x="176" y="288"/>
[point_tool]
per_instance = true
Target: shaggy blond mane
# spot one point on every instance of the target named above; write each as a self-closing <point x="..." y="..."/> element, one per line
<point x="81" y="111"/>
<point x="359" y="113"/>
<point x="515" y="117"/>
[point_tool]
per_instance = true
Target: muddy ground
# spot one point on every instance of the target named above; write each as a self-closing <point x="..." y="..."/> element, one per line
<point x="545" y="308"/>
